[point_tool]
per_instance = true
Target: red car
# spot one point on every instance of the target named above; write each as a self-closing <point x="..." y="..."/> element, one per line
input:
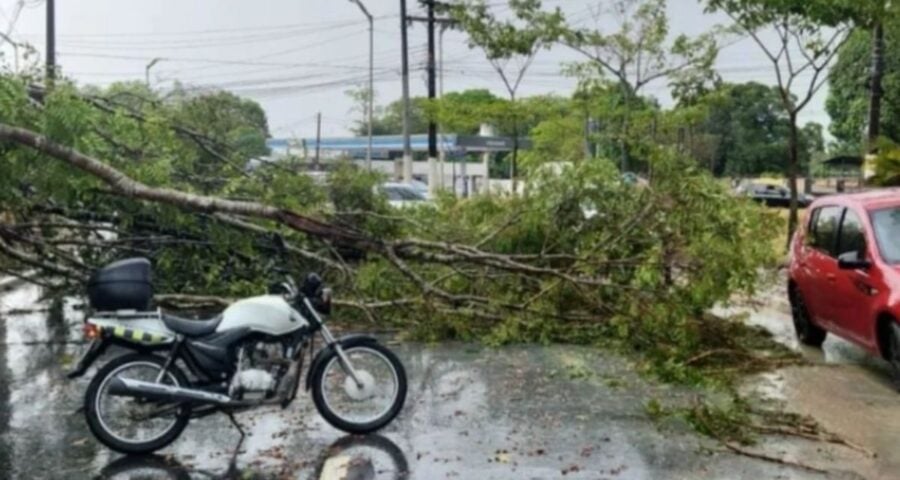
<point x="845" y="272"/>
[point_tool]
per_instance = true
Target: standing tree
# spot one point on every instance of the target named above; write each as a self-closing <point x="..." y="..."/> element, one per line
<point x="640" y="52"/>
<point x="800" y="53"/>
<point x="510" y="46"/>
<point x="872" y="16"/>
<point x="850" y="96"/>
<point x="876" y="90"/>
<point x="388" y="119"/>
<point x="751" y="126"/>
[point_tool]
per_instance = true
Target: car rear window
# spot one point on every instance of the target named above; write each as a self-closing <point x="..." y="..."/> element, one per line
<point x="825" y="229"/>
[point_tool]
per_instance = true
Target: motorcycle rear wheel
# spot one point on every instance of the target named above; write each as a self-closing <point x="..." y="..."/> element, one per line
<point x="105" y="414"/>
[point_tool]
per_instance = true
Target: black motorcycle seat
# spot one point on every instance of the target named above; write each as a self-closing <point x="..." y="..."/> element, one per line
<point x="189" y="327"/>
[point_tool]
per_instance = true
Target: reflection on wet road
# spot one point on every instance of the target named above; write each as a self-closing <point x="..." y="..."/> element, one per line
<point x="350" y="458"/>
<point x="472" y="413"/>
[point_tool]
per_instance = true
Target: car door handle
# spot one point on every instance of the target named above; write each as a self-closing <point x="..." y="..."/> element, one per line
<point x="831" y="277"/>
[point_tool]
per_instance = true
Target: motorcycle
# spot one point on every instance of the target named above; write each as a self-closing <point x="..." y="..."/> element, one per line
<point x="248" y="356"/>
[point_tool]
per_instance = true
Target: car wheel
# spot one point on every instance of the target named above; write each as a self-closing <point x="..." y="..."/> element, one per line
<point x="807" y="332"/>
<point x="893" y="353"/>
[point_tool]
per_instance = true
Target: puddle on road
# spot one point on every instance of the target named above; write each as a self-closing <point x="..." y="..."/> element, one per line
<point x="776" y="320"/>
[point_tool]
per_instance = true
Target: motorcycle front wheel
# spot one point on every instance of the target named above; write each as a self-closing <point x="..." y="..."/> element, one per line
<point x="364" y="406"/>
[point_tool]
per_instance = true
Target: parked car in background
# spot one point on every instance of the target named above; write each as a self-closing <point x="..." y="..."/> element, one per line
<point x="402" y="195"/>
<point x="772" y="195"/>
<point x="845" y="272"/>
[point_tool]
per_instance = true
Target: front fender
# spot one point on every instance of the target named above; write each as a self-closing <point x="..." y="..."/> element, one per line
<point x="323" y="353"/>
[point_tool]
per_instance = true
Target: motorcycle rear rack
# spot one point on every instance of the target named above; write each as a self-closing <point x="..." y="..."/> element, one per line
<point x="128" y="315"/>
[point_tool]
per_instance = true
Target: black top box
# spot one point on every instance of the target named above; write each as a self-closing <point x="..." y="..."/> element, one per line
<point x="122" y="285"/>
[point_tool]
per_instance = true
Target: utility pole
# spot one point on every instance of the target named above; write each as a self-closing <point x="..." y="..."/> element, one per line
<point x="441" y="154"/>
<point x="406" y="167"/>
<point x="432" y="94"/>
<point x="371" y="94"/>
<point x="431" y="21"/>
<point x="51" y="41"/>
<point x="318" y="140"/>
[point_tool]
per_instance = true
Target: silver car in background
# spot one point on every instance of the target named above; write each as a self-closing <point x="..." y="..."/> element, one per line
<point x="404" y="195"/>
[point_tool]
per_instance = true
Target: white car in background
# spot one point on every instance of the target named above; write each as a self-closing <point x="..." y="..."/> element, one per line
<point x="403" y="195"/>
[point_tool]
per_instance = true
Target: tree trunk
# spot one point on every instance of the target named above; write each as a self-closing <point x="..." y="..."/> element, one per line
<point x="513" y="168"/>
<point x="875" y="86"/>
<point x="627" y="92"/>
<point x="127" y="187"/>
<point x="623" y="164"/>
<point x="792" y="171"/>
<point x="515" y="157"/>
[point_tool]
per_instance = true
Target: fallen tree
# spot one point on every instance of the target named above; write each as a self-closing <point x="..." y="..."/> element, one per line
<point x="396" y="252"/>
<point x="582" y="256"/>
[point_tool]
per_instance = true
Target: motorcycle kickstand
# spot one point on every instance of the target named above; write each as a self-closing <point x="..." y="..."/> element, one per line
<point x="236" y="425"/>
<point x="237" y="448"/>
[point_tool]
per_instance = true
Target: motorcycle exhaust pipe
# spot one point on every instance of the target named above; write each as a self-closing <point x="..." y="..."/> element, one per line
<point x="157" y="391"/>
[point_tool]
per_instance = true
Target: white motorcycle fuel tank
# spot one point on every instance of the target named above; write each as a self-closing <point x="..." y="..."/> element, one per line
<point x="269" y="314"/>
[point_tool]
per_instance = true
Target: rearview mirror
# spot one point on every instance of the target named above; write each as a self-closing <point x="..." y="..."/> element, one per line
<point x="852" y="261"/>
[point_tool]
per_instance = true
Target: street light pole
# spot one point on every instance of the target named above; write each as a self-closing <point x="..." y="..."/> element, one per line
<point x="147" y="70"/>
<point x="371" y="93"/>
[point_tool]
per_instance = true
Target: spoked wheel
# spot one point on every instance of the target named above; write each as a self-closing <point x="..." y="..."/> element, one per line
<point x="807" y="332"/>
<point x="371" y="403"/>
<point x="131" y="424"/>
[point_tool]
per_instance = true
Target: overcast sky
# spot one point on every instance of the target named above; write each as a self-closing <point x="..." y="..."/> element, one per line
<point x="298" y="57"/>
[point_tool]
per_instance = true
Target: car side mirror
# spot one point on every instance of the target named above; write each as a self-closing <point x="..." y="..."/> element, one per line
<point x="852" y="261"/>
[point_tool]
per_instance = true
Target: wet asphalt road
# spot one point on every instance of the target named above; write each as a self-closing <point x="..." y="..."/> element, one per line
<point x="472" y="413"/>
<point x="847" y="390"/>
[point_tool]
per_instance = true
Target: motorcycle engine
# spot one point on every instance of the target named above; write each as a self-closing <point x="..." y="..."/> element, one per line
<point x="255" y="380"/>
<point x="260" y="366"/>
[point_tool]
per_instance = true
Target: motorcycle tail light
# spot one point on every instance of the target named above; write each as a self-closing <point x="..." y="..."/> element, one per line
<point x="90" y="331"/>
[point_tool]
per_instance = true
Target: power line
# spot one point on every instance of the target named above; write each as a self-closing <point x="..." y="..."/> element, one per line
<point x="195" y="44"/>
<point x="282" y="52"/>
<point x="312" y="25"/>
<point x="255" y="59"/>
<point x="203" y="60"/>
<point x="258" y="82"/>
